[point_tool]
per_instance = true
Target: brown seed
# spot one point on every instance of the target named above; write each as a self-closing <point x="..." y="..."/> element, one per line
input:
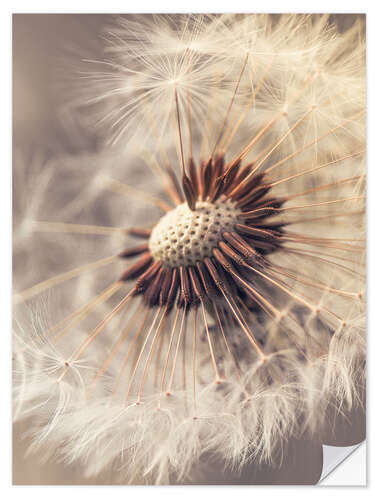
<point x="137" y="268"/>
<point x="145" y="278"/>
<point x="131" y="252"/>
<point x="139" y="232"/>
<point x="189" y="192"/>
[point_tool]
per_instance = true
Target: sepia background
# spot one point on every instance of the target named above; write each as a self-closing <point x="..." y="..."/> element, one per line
<point x="47" y="49"/>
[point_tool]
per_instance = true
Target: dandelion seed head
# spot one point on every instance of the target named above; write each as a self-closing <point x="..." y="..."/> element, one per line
<point x="230" y="317"/>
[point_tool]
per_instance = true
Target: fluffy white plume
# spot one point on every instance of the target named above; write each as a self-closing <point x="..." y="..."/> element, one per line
<point x="145" y="392"/>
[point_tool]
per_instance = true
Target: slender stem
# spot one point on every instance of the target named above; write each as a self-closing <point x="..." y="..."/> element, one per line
<point x="210" y="344"/>
<point x="179" y="131"/>
<point x="60" y="278"/>
<point x="220" y="134"/>
<point x="176" y="352"/>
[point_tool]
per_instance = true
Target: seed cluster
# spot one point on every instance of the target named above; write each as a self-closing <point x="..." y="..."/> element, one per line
<point x="212" y="245"/>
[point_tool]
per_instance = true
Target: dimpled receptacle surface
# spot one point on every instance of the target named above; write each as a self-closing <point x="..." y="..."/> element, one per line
<point x="184" y="237"/>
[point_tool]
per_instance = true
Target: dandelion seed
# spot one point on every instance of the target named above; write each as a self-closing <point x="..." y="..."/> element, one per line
<point x="237" y="322"/>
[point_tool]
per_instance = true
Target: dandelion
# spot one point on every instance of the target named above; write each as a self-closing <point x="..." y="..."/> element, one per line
<point x="239" y="323"/>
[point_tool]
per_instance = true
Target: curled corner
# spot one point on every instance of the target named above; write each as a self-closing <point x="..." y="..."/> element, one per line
<point x="333" y="456"/>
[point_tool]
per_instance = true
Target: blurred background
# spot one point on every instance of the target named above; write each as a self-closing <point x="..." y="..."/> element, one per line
<point x="47" y="54"/>
<point x="46" y="50"/>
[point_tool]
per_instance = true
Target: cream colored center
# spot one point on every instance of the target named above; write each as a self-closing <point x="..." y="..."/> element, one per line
<point x="184" y="237"/>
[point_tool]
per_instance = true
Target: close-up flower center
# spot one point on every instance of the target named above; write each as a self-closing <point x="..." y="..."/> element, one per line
<point x="184" y="237"/>
<point x="189" y="241"/>
<point x="199" y="244"/>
